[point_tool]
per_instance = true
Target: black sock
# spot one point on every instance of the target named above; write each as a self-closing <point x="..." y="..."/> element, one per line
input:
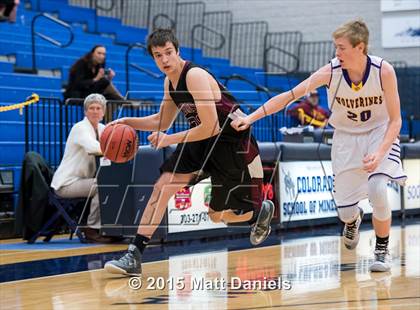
<point x="241" y="212"/>
<point x="140" y="242"/>
<point x="254" y="217"/>
<point x="381" y="243"/>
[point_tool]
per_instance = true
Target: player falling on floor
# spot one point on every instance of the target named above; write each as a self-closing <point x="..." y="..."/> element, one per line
<point x="365" y="105"/>
<point x="211" y="147"/>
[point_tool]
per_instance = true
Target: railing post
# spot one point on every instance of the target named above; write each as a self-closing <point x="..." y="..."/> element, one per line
<point x="149" y="9"/>
<point x="33" y="45"/>
<point x="27" y="129"/>
<point x="60" y="117"/>
<point x="203" y="27"/>
<point x="46" y="38"/>
<point x="98" y="7"/>
<point x="96" y="18"/>
<point x="128" y="65"/>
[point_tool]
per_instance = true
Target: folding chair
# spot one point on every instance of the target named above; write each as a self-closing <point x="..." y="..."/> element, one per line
<point x="65" y="207"/>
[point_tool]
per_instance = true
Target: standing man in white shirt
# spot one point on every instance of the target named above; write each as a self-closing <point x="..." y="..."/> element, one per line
<point x="75" y="176"/>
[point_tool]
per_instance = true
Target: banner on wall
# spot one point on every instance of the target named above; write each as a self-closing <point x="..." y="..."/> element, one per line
<point x="401" y="29"/>
<point x="306" y="181"/>
<point x="188" y="209"/>
<point x="399" y="5"/>
<point x="412" y="187"/>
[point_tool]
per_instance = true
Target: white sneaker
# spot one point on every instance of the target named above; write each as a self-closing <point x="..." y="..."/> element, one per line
<point x="382" y="262"/>
<point x="351" y="232"/>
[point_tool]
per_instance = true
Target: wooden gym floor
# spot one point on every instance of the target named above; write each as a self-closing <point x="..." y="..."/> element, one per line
<point x="220" y="274"/>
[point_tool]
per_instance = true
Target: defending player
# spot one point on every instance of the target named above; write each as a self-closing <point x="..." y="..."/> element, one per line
<point x="363" y="98"/>
<point x="211" y="147"/>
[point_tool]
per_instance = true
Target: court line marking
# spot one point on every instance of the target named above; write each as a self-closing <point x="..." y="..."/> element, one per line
<point x="101" y="269"/>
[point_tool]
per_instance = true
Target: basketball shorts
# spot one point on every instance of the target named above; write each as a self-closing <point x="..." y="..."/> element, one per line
<point x="234" y="166"/>
<point x="348" y="151"/>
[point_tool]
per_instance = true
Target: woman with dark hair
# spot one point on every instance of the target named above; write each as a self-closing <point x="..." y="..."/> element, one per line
<point x="88" y="75"/>
<point x="8" y="10"/>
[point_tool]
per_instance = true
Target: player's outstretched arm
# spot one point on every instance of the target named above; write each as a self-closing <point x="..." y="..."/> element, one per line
<point x="279" y="102"/>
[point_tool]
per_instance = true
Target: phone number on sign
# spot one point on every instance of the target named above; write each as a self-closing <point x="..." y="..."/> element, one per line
<point x="195" y="218"/>
<point x="159" y="283"/>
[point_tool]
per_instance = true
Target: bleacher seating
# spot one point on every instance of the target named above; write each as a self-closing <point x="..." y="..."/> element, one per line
<point x="15" y="45"/>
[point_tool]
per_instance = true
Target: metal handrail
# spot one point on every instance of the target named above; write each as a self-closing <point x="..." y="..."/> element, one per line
<point x="47" y="38"/>
<point x="173" y="23"/>
<point x="258" y="87"/>
<point x="266" y="62"/>
<point x="98" y="7"/>
<point x="214" y="47"/>
<point x="147" y="71"/>
<point x="239" y="77"/>
<point x="128" y="65"/>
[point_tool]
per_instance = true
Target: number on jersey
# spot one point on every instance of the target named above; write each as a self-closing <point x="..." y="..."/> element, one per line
<point x="362" y="116"/>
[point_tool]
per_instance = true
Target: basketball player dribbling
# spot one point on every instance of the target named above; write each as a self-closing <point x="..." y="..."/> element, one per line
<point x="211" y="147"/>
<point x="365" y="105"/>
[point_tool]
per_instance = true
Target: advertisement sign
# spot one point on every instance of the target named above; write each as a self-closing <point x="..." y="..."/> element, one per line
<point x="401" y="30"/>
<point x="305" y="182"/>
<point x="188" y="209"/>
<point x="412" y="187"/>
<point x="399" y="5"/>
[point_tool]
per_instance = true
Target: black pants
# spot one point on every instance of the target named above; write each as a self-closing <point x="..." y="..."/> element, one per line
<point x="226" y="161"/>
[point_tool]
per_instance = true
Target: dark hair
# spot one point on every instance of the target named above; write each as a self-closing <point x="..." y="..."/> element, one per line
<point x="159" y="37"/>
<point x="87" y="58"/>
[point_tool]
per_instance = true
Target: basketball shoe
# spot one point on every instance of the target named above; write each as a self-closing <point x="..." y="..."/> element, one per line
<point x="351" y="232"/>
<point x="382" y="261"/>
<point x="129" y="264"/>
<point x="261" y="229"/>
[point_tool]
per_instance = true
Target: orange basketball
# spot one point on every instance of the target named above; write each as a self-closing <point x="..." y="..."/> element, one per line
<point x="119" y="143"/>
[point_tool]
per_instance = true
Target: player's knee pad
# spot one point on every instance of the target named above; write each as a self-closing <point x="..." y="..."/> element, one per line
<point x="348" y="214"/>
<point x="377" y="192"/>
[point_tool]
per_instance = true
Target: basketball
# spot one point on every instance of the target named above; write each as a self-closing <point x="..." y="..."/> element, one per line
<point x="119" y="143"/>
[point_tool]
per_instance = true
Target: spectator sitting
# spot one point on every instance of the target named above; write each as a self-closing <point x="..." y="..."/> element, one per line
<point x="308" y="111"/>
<point x="75" y="176"/>
<point x="88" y="75"/>
<point x="8" y="10"/>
